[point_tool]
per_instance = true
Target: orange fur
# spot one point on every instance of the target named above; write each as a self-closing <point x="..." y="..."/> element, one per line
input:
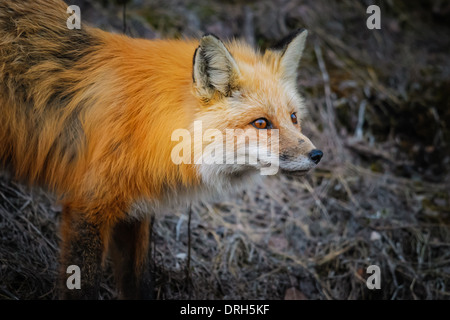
<point x="90" y="115"/>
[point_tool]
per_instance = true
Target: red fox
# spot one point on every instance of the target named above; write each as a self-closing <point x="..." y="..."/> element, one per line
<point x="91" y="115"/>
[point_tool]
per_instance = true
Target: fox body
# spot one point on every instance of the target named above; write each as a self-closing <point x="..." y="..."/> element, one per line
<point x="91" y="115"/>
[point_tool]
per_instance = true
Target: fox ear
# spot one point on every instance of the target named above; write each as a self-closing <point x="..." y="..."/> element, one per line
<point x="290" y="51"/>
<point x="214" y="70"/>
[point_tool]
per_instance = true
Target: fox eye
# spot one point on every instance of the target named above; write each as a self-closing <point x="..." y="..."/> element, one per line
<point x="262" y="123"/>
<point x="294" y="118"/>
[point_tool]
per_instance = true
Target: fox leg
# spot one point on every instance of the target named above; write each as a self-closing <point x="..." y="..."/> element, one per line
<point x="83" y="245"/>
<point x="129" y="249"/>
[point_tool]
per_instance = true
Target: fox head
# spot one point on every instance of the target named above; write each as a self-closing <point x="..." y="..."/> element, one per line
<point x="250" y="111"/>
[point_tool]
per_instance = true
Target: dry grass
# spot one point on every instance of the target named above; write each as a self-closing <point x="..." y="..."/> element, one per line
<point x="379" y="111"/>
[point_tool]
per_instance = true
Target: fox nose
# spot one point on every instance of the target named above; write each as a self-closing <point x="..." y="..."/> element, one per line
<point x="316" y="155"/>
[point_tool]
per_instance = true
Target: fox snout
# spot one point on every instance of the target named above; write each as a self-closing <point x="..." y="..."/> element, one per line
<point x="300" y="159"/>
<point x="316" y="155"/>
